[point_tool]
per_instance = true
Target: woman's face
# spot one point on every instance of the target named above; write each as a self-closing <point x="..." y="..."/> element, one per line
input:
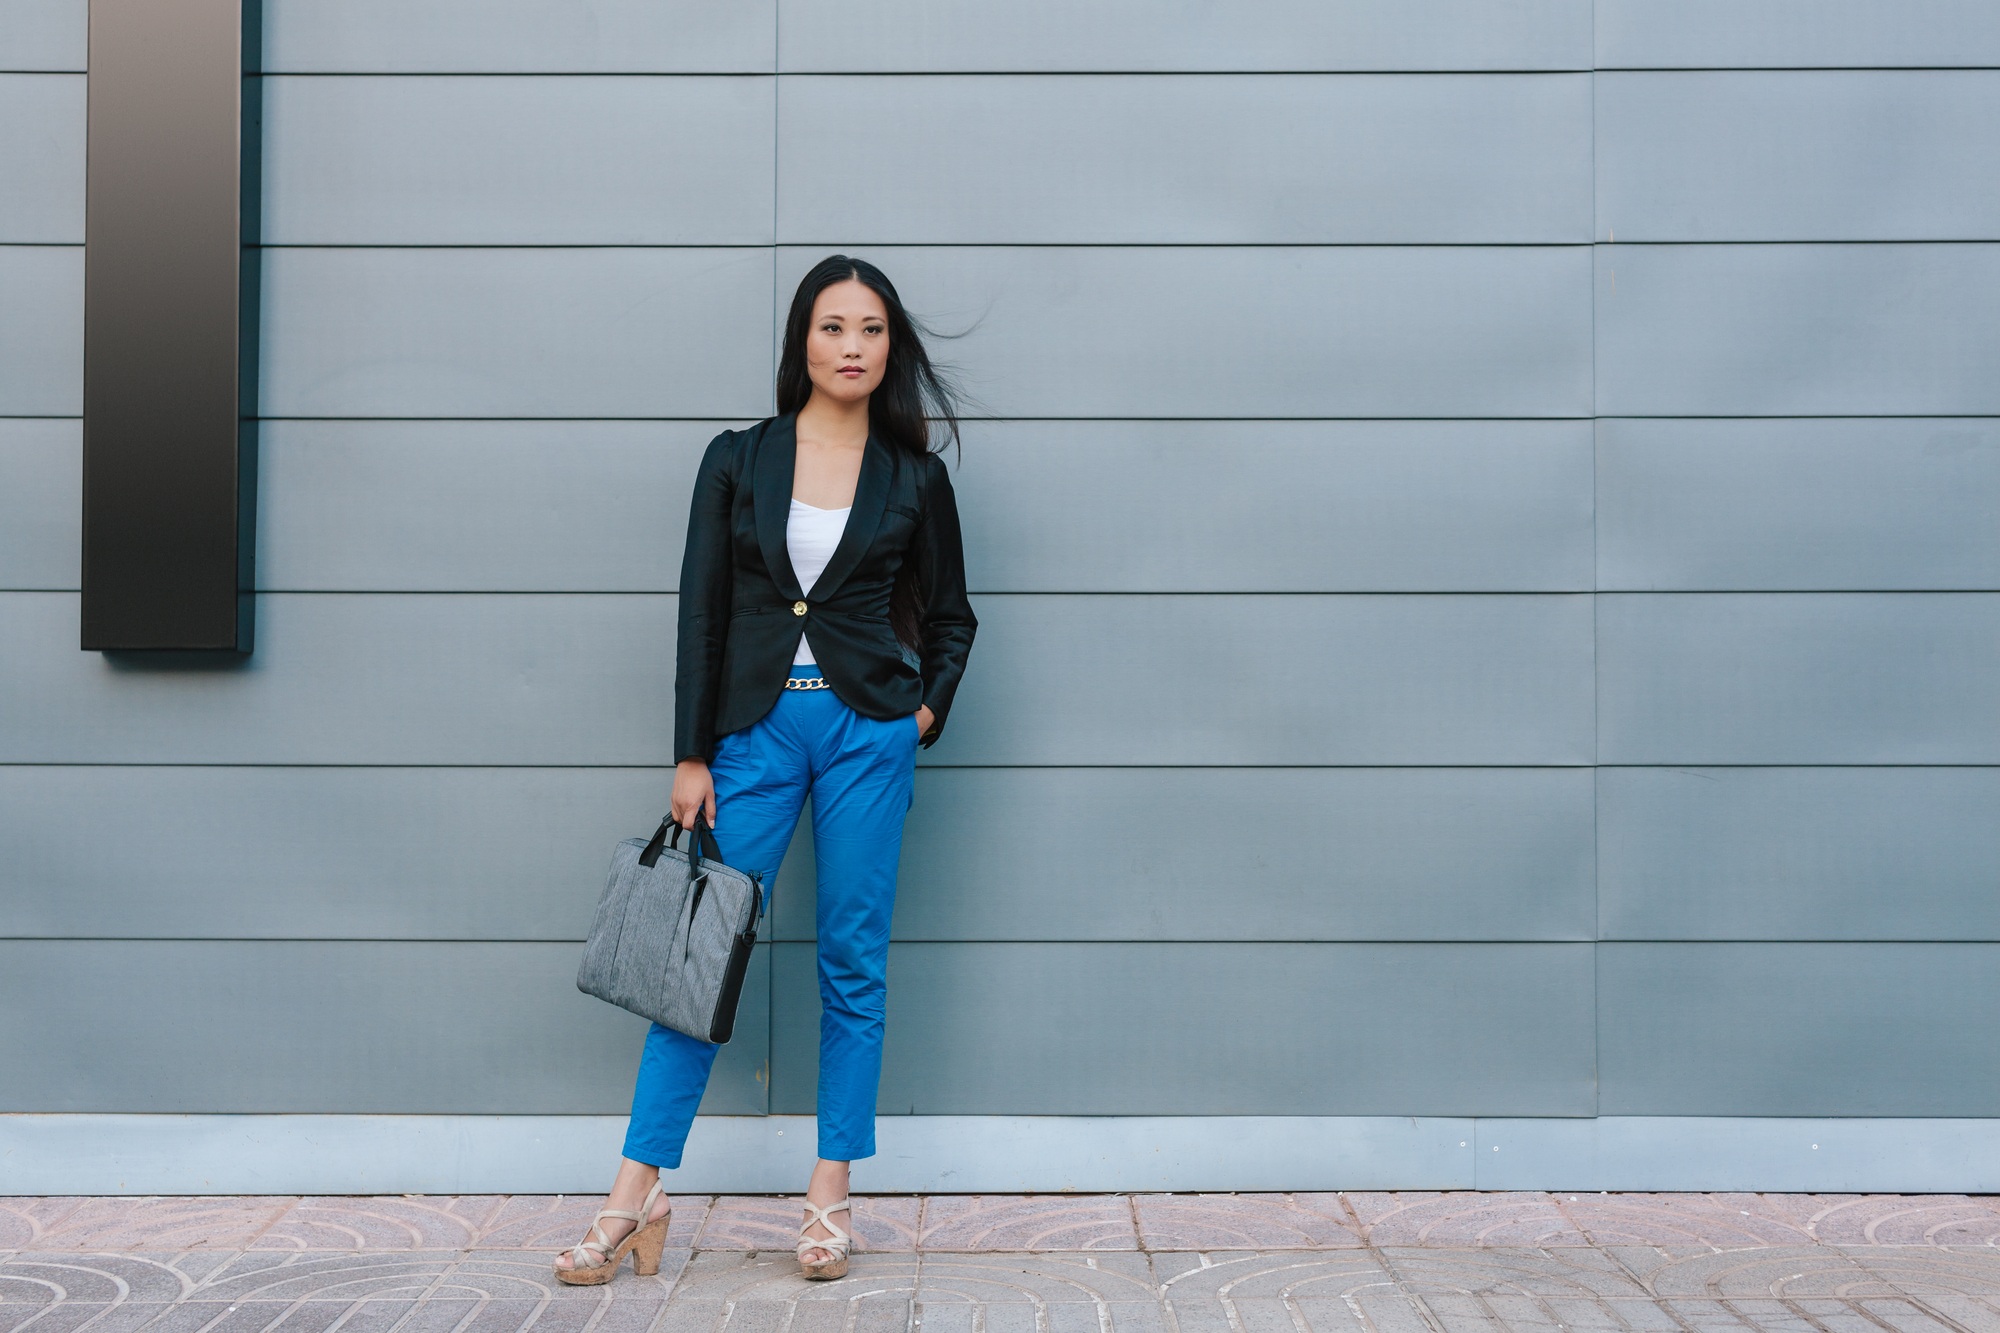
<point x="847" y="347"/>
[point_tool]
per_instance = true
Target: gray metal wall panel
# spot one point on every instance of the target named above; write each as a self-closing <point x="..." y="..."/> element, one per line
<point x="1278" y="506"/>
<point x="584" y="506"/>
<point x="1371" y="331"/>
<point x="1186" y="35"/>
<point x="611" y="332"/>
<point x="575" y="679"/>
<point x="523" y="160"/>
<point x="1797" y="1029"/>
<point x="1301" y="854"/>
<point x="44" y="34"/>
<point x="1805" y="678"/>
<point x="333" y="1026"/>
<point x="601" y="505"/>
<point x="1770" y="34"/>
<point x="1798" y="853"/>
<point x="1199" y="159"/>
<point x="1496" y="679"/>
<point x="1286" y="1029"/>
<point x="487" y="36"/>
<point x="41" y="157"/>
<point x="314" y="853"/>
<point x="1799" y="155"/>
<point x="41" y="330"/>
<point x="487" y="853"/>
<point x="1798" y="504"/>
<point x="1797" y="330"/>
<point x="41" y="503"/>
<point x="527" y="679"/>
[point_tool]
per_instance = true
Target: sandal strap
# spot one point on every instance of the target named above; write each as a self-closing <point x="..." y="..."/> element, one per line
<point x="838" y="1242"/>
<point x="602" y="1244"/>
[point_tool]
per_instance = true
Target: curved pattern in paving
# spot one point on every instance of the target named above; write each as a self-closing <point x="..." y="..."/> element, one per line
<point x="1246" y="1263"/>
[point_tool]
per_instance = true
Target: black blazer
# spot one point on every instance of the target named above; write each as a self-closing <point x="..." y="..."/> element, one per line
<point x="741" y="609"/>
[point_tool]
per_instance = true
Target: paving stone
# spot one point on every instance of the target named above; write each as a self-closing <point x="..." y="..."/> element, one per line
<point x="1279" y="1274"/>
<point x="1571" y="1272"/>
<point x="1392" y="1312"/>
<point x="422" y="1223"/>
<point x="1774" y="1316"/>
<point x="306" y="1317"/>
<point x="1463" y="1219"/>
<point x="554" y="1222"/>
<point x="745" y="1276"/>
<point x="325" y="1277"/>
<point x="622" y="1314"/>
<point x="1431" y="1263"/>
<point x="771" y="1222"/>
<point x="1720" y="1221"/>
<point x="24" y="1220"/>
<point x="514" y="1275"/>
<point x="1330" y="1314"/>
<point x="1770" y="1271"/>
<point x="1923" y="1270"/>
<point x="196" y="1266"/>
<point x="1032" y="1222"/>
<point x="160" y="1224"/>
<point x="1962" y="1312"/>
<point x="1459" y="1312"/>
<point x="1036" y="1279"/>
<point x="1244" y="1222"/>
<point x="113" y="1317"/>
<point x="96" y="1277"/>
<point x="1619" y="1315"/>
<point x="1705" y="1316"/>
<point x="1924" y="1219"/>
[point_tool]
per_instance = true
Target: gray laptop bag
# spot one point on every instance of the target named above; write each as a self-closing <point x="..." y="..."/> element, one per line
<point x="672" y="936"/>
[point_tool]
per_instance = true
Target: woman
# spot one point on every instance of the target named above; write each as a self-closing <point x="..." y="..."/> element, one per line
<point x="824" y="627"/>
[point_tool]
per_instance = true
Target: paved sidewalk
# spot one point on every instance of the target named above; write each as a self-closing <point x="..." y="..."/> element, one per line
<point x="1264" y="1263"/>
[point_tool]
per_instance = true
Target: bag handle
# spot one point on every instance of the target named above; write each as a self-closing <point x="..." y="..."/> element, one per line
<point x="700" y="843"/>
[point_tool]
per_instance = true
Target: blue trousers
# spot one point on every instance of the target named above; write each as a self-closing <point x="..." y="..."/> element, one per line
<point x="860" y="774"/>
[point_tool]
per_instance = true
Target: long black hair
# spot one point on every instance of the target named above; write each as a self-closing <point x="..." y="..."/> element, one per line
<point x="914" y="410"/>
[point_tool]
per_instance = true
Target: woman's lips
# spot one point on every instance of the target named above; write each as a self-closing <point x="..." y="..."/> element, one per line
<point x="852" y="372"/>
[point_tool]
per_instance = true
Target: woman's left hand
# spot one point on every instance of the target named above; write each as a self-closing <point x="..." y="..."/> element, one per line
<point x="924" y="719"/>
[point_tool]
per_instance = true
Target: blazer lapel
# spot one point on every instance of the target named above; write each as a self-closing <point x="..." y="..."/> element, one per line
<point x="871" y="497"/>
<point x="771" y="498"/>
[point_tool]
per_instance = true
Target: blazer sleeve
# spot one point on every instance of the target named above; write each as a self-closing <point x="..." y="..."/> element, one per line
<point x="948" y="623"/>
<point x="706" y="581"/>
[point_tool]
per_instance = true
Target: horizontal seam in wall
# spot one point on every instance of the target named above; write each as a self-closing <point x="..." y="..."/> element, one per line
<point x="545" y="246"/>
<point x="1006" y="768"/>
<point x="1022" y="420"/>
<point x="960" y="73"/>
<point x="1526" y="71"/>
<point x="1009" y="421"/>
<point x="1569" y="942"/>
<point x="806" y="243"/>
<point x="1131" y="592"/>
<point x="927" y="765"/>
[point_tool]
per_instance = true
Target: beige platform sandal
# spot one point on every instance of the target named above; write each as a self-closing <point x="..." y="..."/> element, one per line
<point x="835" y="1245"/>
<point x="644" y="1241"/>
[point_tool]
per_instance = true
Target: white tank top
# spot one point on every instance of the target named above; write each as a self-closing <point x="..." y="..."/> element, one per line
<point x="810" y="536"/>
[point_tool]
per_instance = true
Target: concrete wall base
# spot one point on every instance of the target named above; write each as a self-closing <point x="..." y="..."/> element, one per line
<point x="474" y="1154"/>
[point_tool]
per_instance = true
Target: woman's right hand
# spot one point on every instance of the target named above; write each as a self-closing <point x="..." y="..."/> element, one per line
<point x="694" y="790"/>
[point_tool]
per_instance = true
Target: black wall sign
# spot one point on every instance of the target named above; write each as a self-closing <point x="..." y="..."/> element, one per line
<point x="170" y="324"/>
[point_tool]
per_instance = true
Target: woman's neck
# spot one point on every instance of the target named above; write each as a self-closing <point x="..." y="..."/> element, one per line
<point x="826" y="421"/>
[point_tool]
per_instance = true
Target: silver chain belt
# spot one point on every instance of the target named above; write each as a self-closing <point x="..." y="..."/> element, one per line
<point x="806" y="683"/>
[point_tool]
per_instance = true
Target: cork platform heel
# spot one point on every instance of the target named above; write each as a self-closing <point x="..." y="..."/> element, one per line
<point x="835" y="1244"/>
<point x="644" y="1242"/>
